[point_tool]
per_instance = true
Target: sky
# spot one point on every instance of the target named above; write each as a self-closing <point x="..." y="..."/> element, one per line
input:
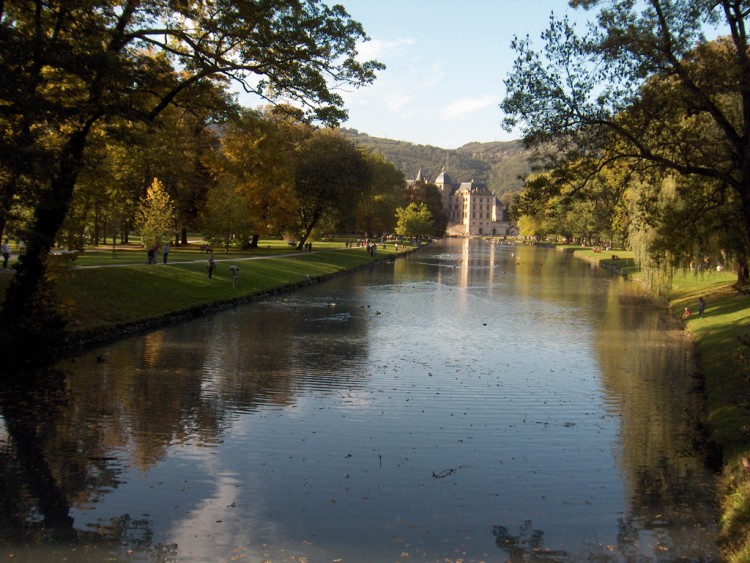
<point x="445" y="65"/>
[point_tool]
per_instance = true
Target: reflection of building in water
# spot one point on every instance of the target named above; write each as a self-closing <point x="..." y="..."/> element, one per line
<point x="472" y="209"/>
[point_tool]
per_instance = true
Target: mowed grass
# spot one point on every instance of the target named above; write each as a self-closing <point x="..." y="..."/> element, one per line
<point x="102" y="293"/>
<point x="134" y="254"/>
<point x="724" y="358"/>
<point x="725" y="361"/>
<point x="115" y="296"/>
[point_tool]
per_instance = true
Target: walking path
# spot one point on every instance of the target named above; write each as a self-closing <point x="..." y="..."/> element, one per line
<point x="217" y="258"/>
<point x="202" y="260"/>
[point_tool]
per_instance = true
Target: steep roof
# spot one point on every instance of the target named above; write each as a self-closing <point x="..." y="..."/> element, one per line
<point x="474" y="187"/>
<point x="443" y="178"/>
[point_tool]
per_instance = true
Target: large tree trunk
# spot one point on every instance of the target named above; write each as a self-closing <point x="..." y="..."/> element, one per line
<point x="309" y="226"/>
<point x="742" y="272"/>
<point x="31" y="324"/>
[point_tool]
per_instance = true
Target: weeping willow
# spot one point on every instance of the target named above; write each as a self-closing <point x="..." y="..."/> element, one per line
<point x="656" y="268"/>
<point x="678" y="224"/>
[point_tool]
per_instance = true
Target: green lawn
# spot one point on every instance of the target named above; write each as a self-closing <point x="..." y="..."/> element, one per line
<point x="725" y="363"/>
<point x="103" y="291"/>
<point x="102" y="296"/>
<point x="135" y="254"/>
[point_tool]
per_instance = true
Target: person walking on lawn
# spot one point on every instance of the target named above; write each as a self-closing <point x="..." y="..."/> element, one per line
<point x="211" y="265"/>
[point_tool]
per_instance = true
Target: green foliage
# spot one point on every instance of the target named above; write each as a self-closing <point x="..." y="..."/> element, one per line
<point x="647" y="91"/>
<point x="155" y="218"/>
<point x="257" y="161"/>
<point x="227" y="217"/>
<point x="429" y="195"/>
<point x="69" y="68"/>
<point x="331" y="178"/>
<point x="375" y="213"/>
<point x="532" y="226"/>
<point x="415" y="220"/>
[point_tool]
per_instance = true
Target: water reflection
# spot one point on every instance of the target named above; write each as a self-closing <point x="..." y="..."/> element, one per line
<point x="472" y="401"/>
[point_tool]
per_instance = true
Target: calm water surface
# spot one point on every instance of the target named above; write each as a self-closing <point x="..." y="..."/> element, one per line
<point x="473" y="402"/>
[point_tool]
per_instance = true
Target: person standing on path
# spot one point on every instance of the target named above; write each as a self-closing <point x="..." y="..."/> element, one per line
<point x="165" y="251"/>
<point x="211" y="265"/>
<point x="701" y="307"/>
<point x="6" y="254"/>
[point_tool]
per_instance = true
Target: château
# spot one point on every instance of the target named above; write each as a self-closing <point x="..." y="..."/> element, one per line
<point x="472" y="209"/>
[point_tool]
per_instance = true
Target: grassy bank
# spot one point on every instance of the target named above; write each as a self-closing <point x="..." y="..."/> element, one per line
<point x="725" y="361"/>
<point x="107" y="295"/>
<point x="724" y="357"/>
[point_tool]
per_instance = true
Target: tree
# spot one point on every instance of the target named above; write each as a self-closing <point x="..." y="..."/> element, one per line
<point x="589" y="212"/>
<point x="331" y="178"/>
<point x="415" y="220"/>
<point x="68" y="66"/>
<point x="375" y="213"/>
<point x="155" y="218"/>
<point x="227" y="217"/>
<point x="429" y="195"/>
<point x="647" y="89"/>
<point x="175" y="149"/>
<point x="257" y="158"/>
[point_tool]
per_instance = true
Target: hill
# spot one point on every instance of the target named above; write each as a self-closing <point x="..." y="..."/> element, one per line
<point x="498" y="164"/>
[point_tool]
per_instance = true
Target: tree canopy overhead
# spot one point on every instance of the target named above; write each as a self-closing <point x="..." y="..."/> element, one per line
<point x="69" y="65"/>
<point x="645" y="88"/>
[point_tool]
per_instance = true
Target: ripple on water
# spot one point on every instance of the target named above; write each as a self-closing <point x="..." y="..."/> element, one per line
<point x="426" y="408"/>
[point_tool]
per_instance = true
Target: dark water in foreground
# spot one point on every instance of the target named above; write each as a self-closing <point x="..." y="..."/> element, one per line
<point x="472" y="402"/>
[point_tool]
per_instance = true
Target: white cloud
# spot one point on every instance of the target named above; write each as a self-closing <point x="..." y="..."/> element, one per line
<point x="378" y="48"/>
<point x="398" y="103"/>
<point x="467" y="105"/>
<point x="436" y="75"/>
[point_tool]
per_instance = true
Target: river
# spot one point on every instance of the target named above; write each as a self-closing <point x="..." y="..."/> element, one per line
<point x="474" y="401"/>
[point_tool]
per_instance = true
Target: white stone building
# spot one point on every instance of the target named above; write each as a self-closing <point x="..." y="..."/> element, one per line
<point x="472" y="209"/>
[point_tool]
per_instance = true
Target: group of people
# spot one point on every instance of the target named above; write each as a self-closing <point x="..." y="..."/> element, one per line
<point x="211" y="266"/>
<point x="151" y="254"/>
<point x="701" y="309"/>
<point x="152" y="250"/>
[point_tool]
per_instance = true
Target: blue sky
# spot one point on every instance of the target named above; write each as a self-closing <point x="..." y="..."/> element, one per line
<point x="446" y="61"/>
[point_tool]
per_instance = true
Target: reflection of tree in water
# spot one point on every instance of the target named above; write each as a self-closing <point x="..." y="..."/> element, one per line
<point x="46" y="466"/>
<point x="71" y="437"/>
<point x="659" y="404"/>
<point x="528" y="545"/>
<point x="30" y="492"/>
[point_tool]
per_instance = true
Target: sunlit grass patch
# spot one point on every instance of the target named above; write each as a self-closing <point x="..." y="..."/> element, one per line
<point x="725" y="362"/>
<point x="105" y="297"/>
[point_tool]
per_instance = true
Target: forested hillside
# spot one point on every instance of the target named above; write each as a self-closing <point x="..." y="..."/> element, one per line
<point x="508" y="160"/>
<point x="498" y="164"/>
